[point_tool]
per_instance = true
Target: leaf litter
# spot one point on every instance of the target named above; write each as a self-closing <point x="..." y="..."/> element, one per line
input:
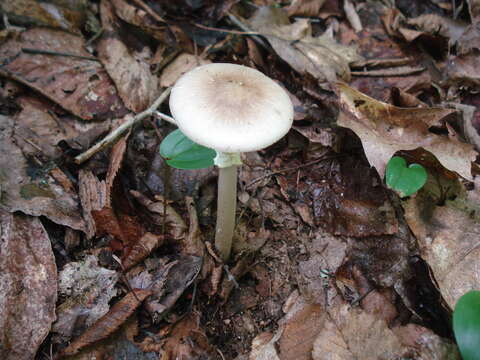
<point x="328" y="263"/>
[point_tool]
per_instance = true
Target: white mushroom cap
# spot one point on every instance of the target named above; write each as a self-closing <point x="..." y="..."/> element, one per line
<point x="230" y="108"/>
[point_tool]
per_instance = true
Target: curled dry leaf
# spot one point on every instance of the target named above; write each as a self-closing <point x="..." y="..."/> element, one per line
<point x="321" y="56"/>
<point x="130" y="71"/>
<point x="77" y="84"/>
<point x="87" y="289"/>
<point x="309" y="8"/>
<point x="28" y="286"/>
<point x="27" y="185"/>
<point x="385" y="129"/>
<point x="141" y="249"/>
<point x="110" y="322"/>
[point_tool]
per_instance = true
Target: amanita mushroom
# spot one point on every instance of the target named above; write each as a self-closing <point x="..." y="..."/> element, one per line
<point x="231" y="109"/>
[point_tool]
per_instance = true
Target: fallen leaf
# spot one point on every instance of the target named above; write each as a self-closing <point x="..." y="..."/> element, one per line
<point x="79" y="85"/>
<point x="309" y="8"/>
<point x="263" y="347"/>
<point x="130" y="71"/>
<point x="182" y="64"/>
<point x="385" y="129"/>
<point x="69" y="17"/>
<point x="109" y="323"/>
<point x="187" y="341"/>
<point x="321" y="56"/>
<point x="29" y="187"/>
<point x="448" y="239"/>
<point x="141" y="249"/>
<point x="301" y="326"/>
<point x="28" y="282"/>
<point x="350" y="333"/>
<point x="86" y="289"/>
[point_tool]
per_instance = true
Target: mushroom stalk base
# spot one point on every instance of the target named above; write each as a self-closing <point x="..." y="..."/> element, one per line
<point x="226" y="208"/>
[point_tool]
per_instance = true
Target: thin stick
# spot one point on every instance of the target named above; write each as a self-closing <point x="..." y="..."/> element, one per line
<point x="56" y="53"/>
<point x="236" y="21"/>
<point x="165" y="117"/>
<point x="236" y="32"/>
<point x="115" y="134"/>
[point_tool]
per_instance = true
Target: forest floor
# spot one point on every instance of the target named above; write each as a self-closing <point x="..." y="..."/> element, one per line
<point x="111" y="256"/>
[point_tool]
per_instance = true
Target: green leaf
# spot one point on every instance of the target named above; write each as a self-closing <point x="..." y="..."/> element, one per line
<point x="466" y="325"/>
<point x="182" y="153"/>
<point x="405" y="180"/>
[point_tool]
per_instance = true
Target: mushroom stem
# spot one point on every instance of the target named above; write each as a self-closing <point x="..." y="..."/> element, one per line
<point x="227" y="204"/>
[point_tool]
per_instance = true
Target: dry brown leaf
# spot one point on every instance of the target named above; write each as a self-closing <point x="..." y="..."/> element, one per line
<point x="69" y="16"/>
<point x="263" y="347"/>
<point x="28" y="187"/>
<point x="139" y="17"/>
<point x="463" y="70"/>
<point x="385" y="129"/>
<point x="182" y="64"/>
<point x="176" y="225"/>
<point x="448" y="237"/>
<point x="350" y="333"/>
<point x="87" y="289"/>
<point x="80" y="86"/>
<point x="187" y="341"/>
<point x="130" y="71"/>
<point x="438" y="25"/>
<point x="141" y="249"/>
<point x="321" y="56"/>
<point x="301" y="326"/>
<point x="309" y="8"/>
<point x="28" y="286"/>
<point x="109" y="323"/>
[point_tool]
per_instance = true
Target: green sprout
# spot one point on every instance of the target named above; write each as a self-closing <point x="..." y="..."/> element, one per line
<point x="402" y="179"/>
<point x="466" y="325"/>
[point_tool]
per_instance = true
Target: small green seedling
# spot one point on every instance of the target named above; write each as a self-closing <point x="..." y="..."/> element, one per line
<point x="182" y="153"/>
<point x="402" y="179"/>
<point x="466" y="325"/>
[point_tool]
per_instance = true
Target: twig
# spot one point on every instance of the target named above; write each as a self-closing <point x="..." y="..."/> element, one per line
<point x="149" y="11"/>
<point x="165" y="117"/>
<point x="115" y="134"/>
<point x="245" y="28"/>
<point x="236" y="32"/>
<point x="56" y="53"/>
<point x="254" y="181"/>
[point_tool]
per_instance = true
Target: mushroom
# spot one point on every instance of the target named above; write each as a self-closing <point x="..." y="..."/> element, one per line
<point x="231" y="109"/>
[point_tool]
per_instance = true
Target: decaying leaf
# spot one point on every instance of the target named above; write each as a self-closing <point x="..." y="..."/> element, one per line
<point x="263" y="347"/>
<point x="79" y="85"/>
<point x="141" y="249"/>
<point x="321" y="56"/>
<point x="28" y="286"/>
<point x="187" y="341"/>
<point x="182" y="64"/>
<point x="110" y="322"/>
<point x="448" y="236"/>
<point x="385" y="129"/>
<point x="56" y="15"/>
<point x="130" y="71"/>
<point x="305" y="7"/>
<point x="87" y="289"/>
<point x="28" y="186"/>
<point x="301" y="326"/>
